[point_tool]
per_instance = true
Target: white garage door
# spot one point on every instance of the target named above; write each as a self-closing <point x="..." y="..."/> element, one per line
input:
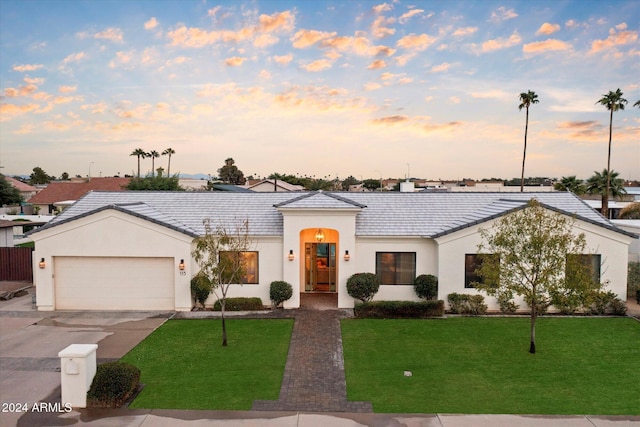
<point x="103" y="283"/>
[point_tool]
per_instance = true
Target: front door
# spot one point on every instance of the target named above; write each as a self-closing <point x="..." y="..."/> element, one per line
<point x="320" y="267"/>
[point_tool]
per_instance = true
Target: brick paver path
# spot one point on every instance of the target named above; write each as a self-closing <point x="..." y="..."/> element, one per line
<point x="314" y="378"/>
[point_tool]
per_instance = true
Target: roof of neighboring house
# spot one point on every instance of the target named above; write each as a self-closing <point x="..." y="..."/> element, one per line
<point x="72" y="190"/>
<point x="395" y="214"/>
<point x="280" y="183"/>
<point x="21" y="186"/>
<point x="6" y="223"/>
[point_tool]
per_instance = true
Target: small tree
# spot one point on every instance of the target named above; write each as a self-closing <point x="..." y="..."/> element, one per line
<point x="279" y="292"/>
<point x="426" y="286"/>
<point x="219" y="254"/>
<point x="363" y="286"/>
<point x="528" y="253"/>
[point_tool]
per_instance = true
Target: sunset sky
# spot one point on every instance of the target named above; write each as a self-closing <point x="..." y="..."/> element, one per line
<point x="324" y="88"/>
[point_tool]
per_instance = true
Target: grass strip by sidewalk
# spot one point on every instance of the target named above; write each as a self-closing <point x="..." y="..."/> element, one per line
<point x="482" y="365"/>
<point x="184" y="366"/>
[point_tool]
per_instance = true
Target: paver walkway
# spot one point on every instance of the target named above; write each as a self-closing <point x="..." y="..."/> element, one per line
<point x="314" y="378"/>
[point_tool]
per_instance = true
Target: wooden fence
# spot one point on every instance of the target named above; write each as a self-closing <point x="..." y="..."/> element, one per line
<point x="16" y="264"/>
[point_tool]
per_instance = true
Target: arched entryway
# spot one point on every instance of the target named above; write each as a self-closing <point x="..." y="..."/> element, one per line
<point x="319" y="266"/>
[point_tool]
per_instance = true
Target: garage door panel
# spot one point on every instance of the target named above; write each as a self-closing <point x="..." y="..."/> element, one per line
<point x="96" y="283"/>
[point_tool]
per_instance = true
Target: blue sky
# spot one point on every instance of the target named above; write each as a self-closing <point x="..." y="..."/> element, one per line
<point x="324" y="88"/>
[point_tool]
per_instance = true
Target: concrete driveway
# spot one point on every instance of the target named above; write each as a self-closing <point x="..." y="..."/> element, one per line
<point x="30" y="342"/>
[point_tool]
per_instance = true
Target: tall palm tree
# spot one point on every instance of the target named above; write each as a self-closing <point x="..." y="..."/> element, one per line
<point x="168" y="152"/>
<point x="526" y="99"/>
<point x="614" y="102"/>
<point x="604" y="184"/>
<point x="140" y="153"/>
<point x="570" y="183"/>
<point x="154" y="155"/>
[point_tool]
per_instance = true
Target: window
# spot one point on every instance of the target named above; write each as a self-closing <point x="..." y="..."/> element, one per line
<point x="396" y="268"/>
<point x="588" y="264"/>
<point x="472" y="262"/>
<point x="249" y="262"/>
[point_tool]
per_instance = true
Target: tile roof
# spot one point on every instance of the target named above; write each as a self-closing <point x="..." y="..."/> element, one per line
<point x="21" y="186"/>
<point x="70" y="190"/>
<point x="377" y="214"/>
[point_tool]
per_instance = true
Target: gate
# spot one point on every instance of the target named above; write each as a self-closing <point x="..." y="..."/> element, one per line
<point x="16" y="264"/>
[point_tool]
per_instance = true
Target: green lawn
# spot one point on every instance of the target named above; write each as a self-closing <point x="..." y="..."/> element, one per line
<point x="482" y="365"/>
<point x="184" y="365"/>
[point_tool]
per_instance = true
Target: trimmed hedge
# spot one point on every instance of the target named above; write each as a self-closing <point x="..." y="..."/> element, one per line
<point x="363" y="286"/>
<point x="113" y="384"/>
<point x="279" y="292"/>
<point x="399" y="309"/>
<point x="426" y="286"/>
<point x="240" y="304"/>
<point x="466" y="304"/>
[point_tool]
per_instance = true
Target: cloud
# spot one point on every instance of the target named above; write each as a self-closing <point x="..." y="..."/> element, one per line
<point x="494" y="93"/>
<point x="410" y="14"/>
<point x="390" y="120"/>
<point x="283" y="60"/>
<point x="9" y="111"/>
<point x="264" y="40"/>
<point x="234" y="61"/>
<point x="74" y="57"/>
<point x="372" y="86"/>
<point x="98" y="108"/>
<point x="501" y="43"/>
<point x="502" y="14"/>
<point x="193" y="37"/>
<point x="462" y="32"/>
<point x="417" y="123"/>
<point x="416" y="42"/>
<point x="454" y="99"/>
<point x="283" y="21"/>
<point x="582" y="130"/>
<point x="306" y="38"/>
<point x="377" y="64"/>
<point x="402" y="60"/>
<point x="546" y="46"/>
<point x="384" y="7"/>
<point x="318" y="65"/>
<point x="122" y="58"/>
<point x="548" y="29"/>
<point x="27" y="67"/>
<point x="67" y="89"/>
<point x="111" y="34"/>
<point x="151" y="24"/>
<point x="380" y="27"/>
<point x="440" y="68"/>
<point x="616" y="38"/>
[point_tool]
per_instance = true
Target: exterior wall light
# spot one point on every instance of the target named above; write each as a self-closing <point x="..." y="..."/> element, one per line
<point x="42" y="264"/>
<point x="347" y="257"/>
<point x="291" y="256"/>
<point x="181" y="265"/>
<point x="320" y="235"/>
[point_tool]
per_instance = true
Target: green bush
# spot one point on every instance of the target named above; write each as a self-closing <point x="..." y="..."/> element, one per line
<point x="466" y="304"/>
<point x="113" y="384"/>
<point x="605" y="302"/>
<point x="363" y="286"/>
<point x="240" y="304"/>
<point x="506" y="303"/>
<point x="200" y="289"/>
<point x="279" y="292"/>
<point x="426" y="286"/>
<point x="633" y="280"/>
<point x="399" y="309"/>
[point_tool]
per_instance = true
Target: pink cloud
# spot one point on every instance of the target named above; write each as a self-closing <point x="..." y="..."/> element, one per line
<point x="546" y="46"/>
<point x="548" y="28"/>
<point x="27" y="67"/>
<point x="616" y="38"/>
<point x="416" y="42"/>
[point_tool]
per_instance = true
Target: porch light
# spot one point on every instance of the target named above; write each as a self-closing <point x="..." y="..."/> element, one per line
<point x="291" y="256"/>
<point x="347" y="257"/>
<point x="42" y="264"/>
<point x="181" y="265"/>
<point x="320" y="235"/>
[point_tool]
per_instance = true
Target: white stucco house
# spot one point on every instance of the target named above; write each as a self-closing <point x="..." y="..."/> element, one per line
<point x="132" y="250"/>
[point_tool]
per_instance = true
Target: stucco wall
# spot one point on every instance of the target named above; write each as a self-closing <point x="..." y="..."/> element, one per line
<point x="110" y="233"/>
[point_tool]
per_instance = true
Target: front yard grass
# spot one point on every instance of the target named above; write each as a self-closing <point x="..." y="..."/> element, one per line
<point x="482" y="365"/>
<point x="184" y="366"/>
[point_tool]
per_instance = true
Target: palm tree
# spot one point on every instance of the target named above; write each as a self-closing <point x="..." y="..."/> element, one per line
<point x="154" y="155"/>
<point x="637" y="104"/>
<point x="526" y="99"/>
<point x="169" y="152"/>
<point x="140" y="153"/>
<point x="570" y="183"/>
<point x="614" y="102"/>
<point x="604" y="184"/>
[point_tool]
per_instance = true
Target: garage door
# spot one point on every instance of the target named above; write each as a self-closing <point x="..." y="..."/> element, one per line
<point x="103" y="283"/>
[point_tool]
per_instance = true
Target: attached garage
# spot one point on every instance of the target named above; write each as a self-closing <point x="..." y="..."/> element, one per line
<point x="114" y="283"/>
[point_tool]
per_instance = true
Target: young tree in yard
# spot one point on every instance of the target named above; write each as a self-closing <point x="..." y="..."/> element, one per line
<point x="527" y="253"/>
<point x="220" y="256"/>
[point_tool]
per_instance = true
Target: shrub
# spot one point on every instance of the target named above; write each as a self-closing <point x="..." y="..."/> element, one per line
<point x="633" y="280"/>
<point x="603" y="302"/>
<point x="279" y="292"/>
<point x="200" y="289"/>
<point x="113" y="384"/>
<point x="506" y="303"/>
<point x="240" y="304"/>
<point x="399" y="309"/>
<point x="466" y="304"/>
<point x="363" y="286"/>
<point x="426" y="286"/>
<point x="618" y="307"/>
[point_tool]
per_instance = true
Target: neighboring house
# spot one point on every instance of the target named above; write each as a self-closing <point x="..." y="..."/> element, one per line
<point x="132" y="250"/>
<point x="59" y="194"/>
<point x="268" y="185"/>
<point x="6" y="233"/>
<point x="27" y="191"/>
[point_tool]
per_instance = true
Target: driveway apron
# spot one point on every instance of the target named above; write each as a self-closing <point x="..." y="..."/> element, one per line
<point x="314" y="378"/>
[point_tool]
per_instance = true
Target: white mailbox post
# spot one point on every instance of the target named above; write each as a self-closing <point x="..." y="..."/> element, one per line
<point x="77" y="369"/>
